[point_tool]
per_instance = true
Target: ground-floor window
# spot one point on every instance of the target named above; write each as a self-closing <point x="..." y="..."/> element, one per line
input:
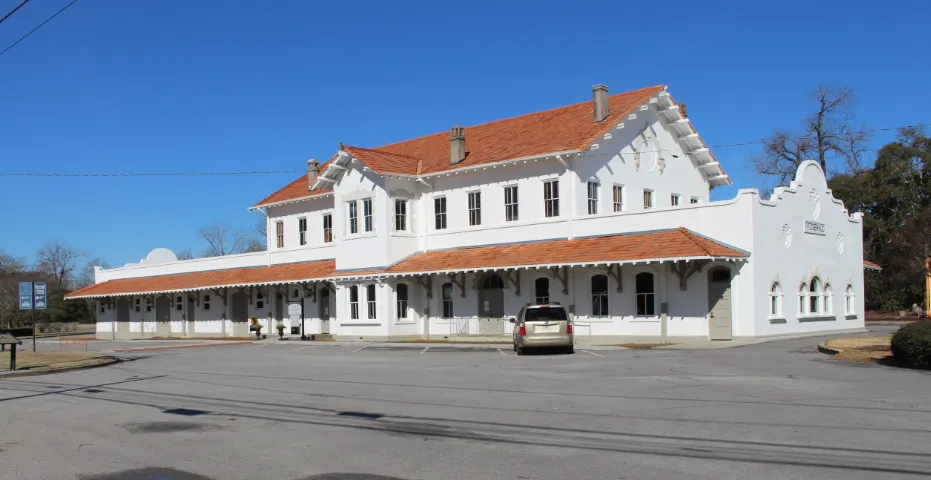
<point x="447" y="290"/>
<point x="370" y="300"/>
<point x="646" y="304"/>
<point x="541" y="290"/>
<point x="849" y="307"/>
<point x="802" y="298"/>
<point x="775" y="300"/>
<point x="600" y="296"/>
<point x="402" y="300"/>
<point x="354" y="302"/>
<point x="814" y="295"/>
<point x="828" y="299"/>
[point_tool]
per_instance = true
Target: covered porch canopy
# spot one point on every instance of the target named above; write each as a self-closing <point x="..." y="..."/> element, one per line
<point x="687" y="251"/>
<point x="304" y="273"/>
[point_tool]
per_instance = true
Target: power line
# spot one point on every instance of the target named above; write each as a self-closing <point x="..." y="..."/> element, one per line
<point x="49" y="19"/>
<point x="272" y="172"/>
<point x="11" y="12"/>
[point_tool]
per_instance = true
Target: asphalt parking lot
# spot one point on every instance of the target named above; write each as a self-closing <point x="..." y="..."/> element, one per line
<point x="777" y="410"/>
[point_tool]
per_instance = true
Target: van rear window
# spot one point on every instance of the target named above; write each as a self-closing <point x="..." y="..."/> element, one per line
<point x="545" y="313"/>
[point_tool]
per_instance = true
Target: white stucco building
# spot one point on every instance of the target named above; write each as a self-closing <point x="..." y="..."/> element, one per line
<point x="601" y="205"/>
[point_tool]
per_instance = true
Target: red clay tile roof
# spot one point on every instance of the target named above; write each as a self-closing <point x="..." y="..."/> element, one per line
<point x="294" y="190"/>
<point x="290" y="272"/>
<point x="871" y="266"/>
<point x="550" y="131"/>
<point x="679" y="243"/>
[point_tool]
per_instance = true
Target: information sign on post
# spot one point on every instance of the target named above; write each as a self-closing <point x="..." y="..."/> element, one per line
<point x="25" y="295"/>
<point x="41" y="296"/>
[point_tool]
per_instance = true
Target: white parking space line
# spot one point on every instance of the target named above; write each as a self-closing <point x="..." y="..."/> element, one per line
<point x="309" y="346"/>
<point x="593" y="353"/>
<point x="425" y="350"/>
<point x="359" y="349"/>
<point x="499" y="351"/>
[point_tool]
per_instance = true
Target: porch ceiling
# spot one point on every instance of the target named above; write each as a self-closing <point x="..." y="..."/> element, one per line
<point x="656" y="246"/>
<point x="211" y="280"/>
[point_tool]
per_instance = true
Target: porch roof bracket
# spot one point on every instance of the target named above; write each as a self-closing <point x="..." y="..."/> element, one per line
<point x="685" y="269"/>
<point x="614" y="271"/>
<point x="564" y="278"/>
<point x="220" y="292"/>
<point x="459" y="283"/>
<point x="310" y="290"/>
<point x="514" y="280"/>
<point x="426" y="281"/>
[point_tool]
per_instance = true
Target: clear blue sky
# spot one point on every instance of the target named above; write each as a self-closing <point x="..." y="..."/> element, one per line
<point x="229" y="85"/>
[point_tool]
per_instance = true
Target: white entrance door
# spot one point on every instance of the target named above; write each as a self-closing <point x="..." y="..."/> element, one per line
<point x="720" y="325"/>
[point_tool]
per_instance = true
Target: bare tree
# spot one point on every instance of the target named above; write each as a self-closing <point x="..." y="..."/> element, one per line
<point x="255" y="246"/>
<point x="10" y="264"/>
<point x="261" y="227"/>
<point x="829" y="137"/>
<point x="185" y="254"/>
<point x="223" y="239"/>
<point x="88" y="273"/>
<point x="58" y="261"/>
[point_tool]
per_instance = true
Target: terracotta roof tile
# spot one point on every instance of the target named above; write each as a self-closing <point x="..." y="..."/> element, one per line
<point x="294" y="190"/>
<point x="211" y="279"/>
<point x="871" y="266"/>
<point x="679" y="243"/>
<point x="557" y="130"/>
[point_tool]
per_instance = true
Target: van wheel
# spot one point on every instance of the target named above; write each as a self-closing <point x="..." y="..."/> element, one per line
<point x="514" y="346"/>
<point x="569" y="350"/>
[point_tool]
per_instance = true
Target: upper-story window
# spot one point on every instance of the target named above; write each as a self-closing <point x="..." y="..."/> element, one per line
<point x="439" y="212"/>
<point x="475" y="208"/>
<point x="674" y="200"/>
<point x="327" y="228"/>
<point x="400" y="215"/>
<point x="551" y="198"/>
<point x="368" y="221"/>
<point x="353" y="218"/>
<point x="618" y="200"/>
<point x="510" y="203"/>
<point x="279" y="234"/>
<point x="694" y="201"/>
<point x="648" y="199"/>
<point x="302" y="231"/>
<point x="593" y="198"/>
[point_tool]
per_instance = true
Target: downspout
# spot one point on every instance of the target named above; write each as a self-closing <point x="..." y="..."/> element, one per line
<point x="572" y="200"/>
<point x="268" y="245"/>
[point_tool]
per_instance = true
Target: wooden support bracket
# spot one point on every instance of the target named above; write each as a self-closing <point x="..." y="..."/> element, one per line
<point x="514" y="280"/>
<point x="614" y="271"/>
<point x="426" y="281"/>
<point x="310" y="290"/>
<point x="563" y="277"/>
<point x="459" y="283"/>
<point x="685" y="269"/>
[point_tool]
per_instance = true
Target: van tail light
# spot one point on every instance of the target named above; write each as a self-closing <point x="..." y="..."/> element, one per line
<point x="523" y="331"/>
<point x="569" y="328"/>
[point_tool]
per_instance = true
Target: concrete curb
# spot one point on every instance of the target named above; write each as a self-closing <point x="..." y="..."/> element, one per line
<point x="105" y="361"/>
<point x="172" y="347"/>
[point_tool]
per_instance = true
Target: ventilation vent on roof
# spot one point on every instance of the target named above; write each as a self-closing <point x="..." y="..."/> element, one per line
<point x="457" y="151"/>
<point x="600" y="102"/>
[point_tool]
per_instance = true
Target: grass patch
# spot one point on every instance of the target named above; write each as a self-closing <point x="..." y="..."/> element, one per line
<point x="862" y="349"/>
<point x="29" y="360"/>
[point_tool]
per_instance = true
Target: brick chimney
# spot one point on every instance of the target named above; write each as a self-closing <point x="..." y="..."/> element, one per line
<point x="313" y="171"/>
<point x="600" y="102"/>
<point x="457" y="150"/>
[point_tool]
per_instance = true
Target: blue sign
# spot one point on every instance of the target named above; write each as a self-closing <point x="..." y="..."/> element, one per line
<point x="25" y="295"/>
<point x="41" y="296"/>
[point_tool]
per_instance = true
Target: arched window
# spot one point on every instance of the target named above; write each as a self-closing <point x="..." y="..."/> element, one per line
<point x="370" y="300"/>
<point x="402" y="300"/>
<point x="541" y="290"/>
<point x="802" y="298"/>
<point x="775" y="300"/>
<point x="814" y="295"/>
<point x="828" y="299"/>
<point x="849" y="303"/>
<point x="646" y="299"/>
<point x="492" y="282"/>
<point x="600" y="296"/>
<point x="354" y="302"/>
<point x="447" y="292"/>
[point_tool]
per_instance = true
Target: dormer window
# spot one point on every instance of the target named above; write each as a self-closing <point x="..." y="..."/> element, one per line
<point x="367" y="218"/>
<point x="353" y="218"/>
<point x="400" y="215"/>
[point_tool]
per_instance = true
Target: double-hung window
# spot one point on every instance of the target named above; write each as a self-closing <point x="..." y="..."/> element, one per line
<point x="447" y="294"/>
<point x="593" y="198"/>
<point x="400" y="215"/>
<point x="279" y="234"/>
<point x="674" y="200"/>
<point x="327" y="228"/>
<point x="439" y="212"/>
<point x="370" y="300"/>
<point x="302" y="231"/>
<point x="354" y="302"/>
<point x="353" y="218"/>
<point x="647" y="199"/>
<point x="618" y="200"/>
<point x="551" y="198"/>
<point x="510" y="203"/>
<point x="475" y="208"/>
<point x="368" y="221"/>
<point x="402" y="300"/>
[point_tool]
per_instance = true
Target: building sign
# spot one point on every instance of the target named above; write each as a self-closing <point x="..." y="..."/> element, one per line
<point x="25" y="295"/>
<point x="41" y="297"/>
<point x="294" y="313"/>
<point x="814" y="228"/>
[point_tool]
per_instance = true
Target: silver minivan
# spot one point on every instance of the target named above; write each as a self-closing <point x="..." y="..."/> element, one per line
<point x="543" y="325"/>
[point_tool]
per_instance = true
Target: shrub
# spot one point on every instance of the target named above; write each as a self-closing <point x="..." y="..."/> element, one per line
<point x="911" y="345"/>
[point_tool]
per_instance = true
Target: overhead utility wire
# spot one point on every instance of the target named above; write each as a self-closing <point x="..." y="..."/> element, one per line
<point x="49" y="19"/>
<point x="270" y="172"/>
<point x="11" y="12"/>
